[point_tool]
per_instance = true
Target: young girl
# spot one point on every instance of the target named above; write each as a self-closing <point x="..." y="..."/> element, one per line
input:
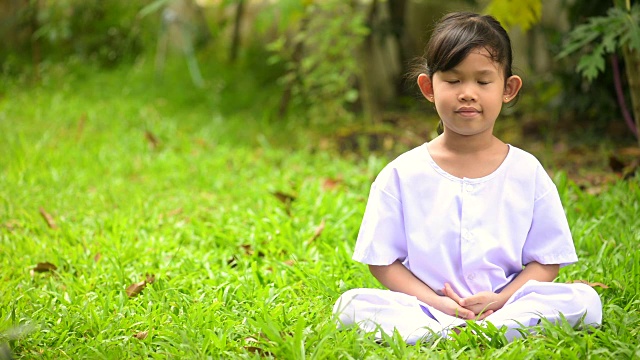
<point x="465" y="227"/>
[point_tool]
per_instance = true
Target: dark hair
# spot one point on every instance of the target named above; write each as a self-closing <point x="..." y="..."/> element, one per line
<point x="456" y="34"/>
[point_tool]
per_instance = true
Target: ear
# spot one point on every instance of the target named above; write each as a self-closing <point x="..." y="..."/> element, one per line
<point x="426" y="86"/>
<point x="512" y="87"/>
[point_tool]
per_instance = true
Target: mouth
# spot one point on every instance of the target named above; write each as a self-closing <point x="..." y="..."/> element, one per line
<point x="467" y="111"/>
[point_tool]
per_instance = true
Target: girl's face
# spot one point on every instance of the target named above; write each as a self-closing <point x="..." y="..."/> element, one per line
<point x="469" y="96"/>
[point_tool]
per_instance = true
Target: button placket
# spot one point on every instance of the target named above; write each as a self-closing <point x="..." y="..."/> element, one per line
<point x="471" y="276"/>
<point x="467" y="235"/>
<point x="468" y="222"/>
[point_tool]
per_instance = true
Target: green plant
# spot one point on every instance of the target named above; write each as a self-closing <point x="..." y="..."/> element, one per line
<point x="619" y="30"/>
<point x="511" y="13"/>
<point x="320" y="50"/>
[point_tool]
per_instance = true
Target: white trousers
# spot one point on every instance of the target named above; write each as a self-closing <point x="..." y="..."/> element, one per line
<point x="375" y="310"/>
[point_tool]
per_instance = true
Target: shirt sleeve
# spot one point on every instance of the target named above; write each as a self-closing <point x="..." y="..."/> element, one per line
<point x="381" y="239"/>
<point x="549" y="239"/>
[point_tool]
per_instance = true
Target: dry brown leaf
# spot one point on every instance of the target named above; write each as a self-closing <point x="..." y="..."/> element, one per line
<point x="252" y="347"/>
<point x="290" y="262"/>
<point x="174" y="212"/>
<point x="595" y="190"/>
<point x="12" y="224"/>
<point x="330" y="183"/>
<point x="592" y="284"/>
<point x="136" y="288"/>
<point x="141" y="335"/>
<point x="97" y="257"/>
<point x="81" y="122"/>
<point x="48" y="218"/>
<point x="284" y="197"/>
<point x="150" y="278"/>
<point x="318" y="232"/>
<point x="151" y="139"/>
<point x="248" y="250"/>
<point x="232" y="262"/>
<point x="44" y="267"/>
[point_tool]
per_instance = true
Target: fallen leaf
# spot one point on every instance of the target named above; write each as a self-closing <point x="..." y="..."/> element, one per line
<point x="595" y="190"/>
<point x="317" y="233"/>
<point x="232" y="262"/>
<point x="81" y="122"/>
<point x="136" y="288"/>
<point x="97" y="257"/>
<point x="44" y="267"/>
<point x="284" y="197"/>
<point x="48" y="218"/>
<point x="152" y="139"/>
<point x="174" y="212"/>
<point x="290" y="262"/>
<point x="141" y="335"/>
<point x="150" y="278"/>
<point x="12" y="224"/>
<point x="254" y="348"/>
<point x="330" y="183"/>
<point x="248" y="250"/>
<point x="592" y="284"/>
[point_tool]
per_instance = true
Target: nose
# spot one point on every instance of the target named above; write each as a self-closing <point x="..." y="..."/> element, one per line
<point x="467" y="93"/>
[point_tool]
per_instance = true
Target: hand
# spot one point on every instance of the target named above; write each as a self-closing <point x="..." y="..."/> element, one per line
<point x="451" y="307"/>
<point x="482" y="304"/>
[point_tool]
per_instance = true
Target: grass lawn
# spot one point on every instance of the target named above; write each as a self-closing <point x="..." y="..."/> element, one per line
<point x="243" y="229"/>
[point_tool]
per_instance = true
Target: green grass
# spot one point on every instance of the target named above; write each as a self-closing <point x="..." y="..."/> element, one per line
<point x="239" y="273"/>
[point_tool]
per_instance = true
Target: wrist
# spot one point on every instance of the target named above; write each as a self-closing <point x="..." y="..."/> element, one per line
<point x="501" y="299"/>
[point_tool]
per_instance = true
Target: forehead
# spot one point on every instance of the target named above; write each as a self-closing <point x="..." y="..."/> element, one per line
<point x="479" y="61"/>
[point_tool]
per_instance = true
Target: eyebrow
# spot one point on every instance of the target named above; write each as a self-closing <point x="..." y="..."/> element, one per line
<point x="480" y="72"/>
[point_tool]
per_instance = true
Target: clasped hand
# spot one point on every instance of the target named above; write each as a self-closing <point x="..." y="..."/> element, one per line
<point x="477" y="306"/>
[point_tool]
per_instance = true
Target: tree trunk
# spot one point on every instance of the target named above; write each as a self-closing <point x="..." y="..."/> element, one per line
<point x="296" y="58"/>
<point x="369" y="106"/>
<point x="235" y="41"/>
<point x="632" y="65"/>
<point x="36" y="55"/>
<point x="397" y="10"/>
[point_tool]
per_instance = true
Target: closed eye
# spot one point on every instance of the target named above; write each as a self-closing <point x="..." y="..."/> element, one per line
<point x="452" y="81"/>
<point x="484" y="82"/>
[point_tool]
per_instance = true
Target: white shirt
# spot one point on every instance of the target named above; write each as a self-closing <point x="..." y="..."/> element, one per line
<point x="475" y="234"/>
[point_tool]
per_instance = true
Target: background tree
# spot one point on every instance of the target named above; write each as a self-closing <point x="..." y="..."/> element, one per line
<point x="618" y="31"/>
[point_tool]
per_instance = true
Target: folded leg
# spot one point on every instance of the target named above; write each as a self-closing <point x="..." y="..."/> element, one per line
<point x="375" y="310"/>
<point x="536" y="300"/>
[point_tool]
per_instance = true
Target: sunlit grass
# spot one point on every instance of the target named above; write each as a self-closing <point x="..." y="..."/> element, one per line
<point x="142" y="178"/>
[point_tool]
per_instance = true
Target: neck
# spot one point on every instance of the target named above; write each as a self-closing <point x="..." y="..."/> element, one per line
<point x="462" y="144"/>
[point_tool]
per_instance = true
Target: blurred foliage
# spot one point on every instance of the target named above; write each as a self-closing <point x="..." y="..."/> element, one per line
<point x="319" y="48"/>
<point x="106" y="32"/>
<point x="308" y="54"/>
<point x="560" y="102"/>
<point x="523" y="13"/>
<point x="603" y="35"/>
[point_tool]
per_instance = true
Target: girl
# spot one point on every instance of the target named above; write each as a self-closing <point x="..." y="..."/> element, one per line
<point x="465" y="227"/>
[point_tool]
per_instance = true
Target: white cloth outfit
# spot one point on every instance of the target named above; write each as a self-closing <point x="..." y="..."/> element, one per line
<point x="475" y="234"/>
